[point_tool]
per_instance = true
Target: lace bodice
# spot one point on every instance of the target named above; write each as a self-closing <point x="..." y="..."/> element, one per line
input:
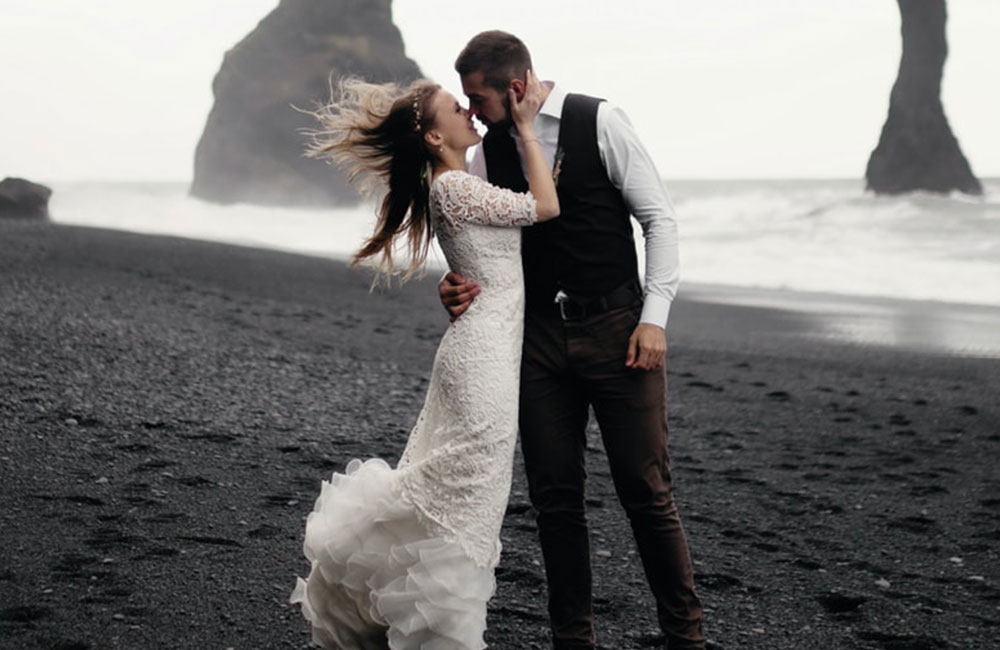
<point x="461" y="204"/>
<point x="456" y="468"/>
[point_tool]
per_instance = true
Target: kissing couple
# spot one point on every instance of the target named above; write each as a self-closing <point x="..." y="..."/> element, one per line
<point x="548" y="320"/>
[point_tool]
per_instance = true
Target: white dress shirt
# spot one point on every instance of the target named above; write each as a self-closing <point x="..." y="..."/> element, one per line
<point x="632" y="171"/>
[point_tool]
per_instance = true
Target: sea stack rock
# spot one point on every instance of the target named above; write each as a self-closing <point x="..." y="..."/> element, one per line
<point x="917" y="150"/>
<point x="251" y="149"/>
<point x="21" y="199"/>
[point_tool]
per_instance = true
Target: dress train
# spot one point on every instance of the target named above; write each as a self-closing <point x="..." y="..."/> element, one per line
<point x="379" y="579"/>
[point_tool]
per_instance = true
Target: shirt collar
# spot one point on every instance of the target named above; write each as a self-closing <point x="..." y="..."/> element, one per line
<point x="554" y="102"/>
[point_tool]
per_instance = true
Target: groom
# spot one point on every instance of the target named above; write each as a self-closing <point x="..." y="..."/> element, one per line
<point x="593" y="336"/>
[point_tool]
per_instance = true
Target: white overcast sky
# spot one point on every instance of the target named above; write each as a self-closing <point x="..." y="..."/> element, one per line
<point x="119" y="89"/>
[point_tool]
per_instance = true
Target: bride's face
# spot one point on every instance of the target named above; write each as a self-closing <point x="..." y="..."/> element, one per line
<point x="453" y="125"/>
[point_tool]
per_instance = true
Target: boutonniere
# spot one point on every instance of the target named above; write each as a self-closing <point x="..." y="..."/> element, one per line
<point x="557" y="166"/>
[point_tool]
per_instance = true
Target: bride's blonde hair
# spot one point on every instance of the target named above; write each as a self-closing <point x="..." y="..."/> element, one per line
<point x="375" y="133"/>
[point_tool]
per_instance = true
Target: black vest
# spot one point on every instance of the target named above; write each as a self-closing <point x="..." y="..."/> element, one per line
<point x="589" y="250"/>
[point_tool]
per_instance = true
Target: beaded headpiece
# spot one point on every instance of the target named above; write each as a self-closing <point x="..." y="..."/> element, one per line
<point x="417" y="115"/>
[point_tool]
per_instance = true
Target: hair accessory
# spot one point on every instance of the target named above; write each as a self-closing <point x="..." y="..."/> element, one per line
<point x="416" y="113"/>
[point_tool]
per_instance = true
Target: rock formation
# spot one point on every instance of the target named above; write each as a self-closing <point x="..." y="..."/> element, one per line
<point x="21" y="199"/>
<point x="251" y="148"/>
<point x="917" y="150"/>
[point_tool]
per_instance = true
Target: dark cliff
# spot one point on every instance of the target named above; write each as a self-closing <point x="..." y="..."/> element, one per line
<point x="917" y="150"/>
<point x="22" y="199"/>
<point x="251" y="148"/>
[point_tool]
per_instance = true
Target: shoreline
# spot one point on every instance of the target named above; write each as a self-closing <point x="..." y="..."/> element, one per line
<point x="916" y="325"/>
<point x="928" y="326"/>
<point x="170" y="406"/>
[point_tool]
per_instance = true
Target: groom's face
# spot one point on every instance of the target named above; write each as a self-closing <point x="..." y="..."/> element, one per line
<point x="486" y="103"/>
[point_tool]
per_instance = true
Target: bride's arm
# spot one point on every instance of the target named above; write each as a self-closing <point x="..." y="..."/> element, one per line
<point x="540" y="181"/>
<point x="464" y="198"/>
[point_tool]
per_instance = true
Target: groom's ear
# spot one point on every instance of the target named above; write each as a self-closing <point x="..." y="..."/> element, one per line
<point x="518" y="86"/>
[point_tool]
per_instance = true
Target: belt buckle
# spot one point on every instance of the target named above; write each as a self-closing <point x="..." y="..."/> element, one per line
<point x="562" y="299"/>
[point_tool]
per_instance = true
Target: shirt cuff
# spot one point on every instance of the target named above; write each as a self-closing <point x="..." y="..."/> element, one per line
<point x="655" y="310"/>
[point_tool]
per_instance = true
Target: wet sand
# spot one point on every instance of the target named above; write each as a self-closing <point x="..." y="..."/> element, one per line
<point x="168" y="408"/>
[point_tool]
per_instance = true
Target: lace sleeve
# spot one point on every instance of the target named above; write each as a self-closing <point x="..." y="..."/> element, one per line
<point x="464" y="198"/>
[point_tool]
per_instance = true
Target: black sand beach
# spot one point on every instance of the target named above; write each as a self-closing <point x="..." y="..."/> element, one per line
<point x="169" y="407"/>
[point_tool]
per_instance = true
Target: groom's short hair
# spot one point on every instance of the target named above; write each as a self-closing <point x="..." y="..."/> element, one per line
<point x="498" y="55"/>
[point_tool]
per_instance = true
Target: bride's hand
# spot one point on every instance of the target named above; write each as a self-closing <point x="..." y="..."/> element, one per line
<point x="523" y="112"/>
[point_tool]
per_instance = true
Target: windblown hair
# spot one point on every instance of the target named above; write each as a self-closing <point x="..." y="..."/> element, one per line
<point x="375" y="133"/>
<point x="498" y="55"/>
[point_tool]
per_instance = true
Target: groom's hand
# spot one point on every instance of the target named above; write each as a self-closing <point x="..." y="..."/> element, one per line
<point x="456" y="294"/>
<point x="647" y="347"/>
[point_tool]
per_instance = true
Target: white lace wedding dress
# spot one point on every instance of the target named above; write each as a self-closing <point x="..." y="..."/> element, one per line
<point x="403" y="558"/>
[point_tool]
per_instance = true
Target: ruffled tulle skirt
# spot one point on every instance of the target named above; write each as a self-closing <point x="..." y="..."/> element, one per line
<point x="379" y="578"/>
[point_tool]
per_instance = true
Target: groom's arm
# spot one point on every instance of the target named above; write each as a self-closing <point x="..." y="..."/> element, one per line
<point x="631" y="169"/>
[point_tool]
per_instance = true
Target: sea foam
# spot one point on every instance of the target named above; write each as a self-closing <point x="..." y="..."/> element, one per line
<point x="825" y="235"/>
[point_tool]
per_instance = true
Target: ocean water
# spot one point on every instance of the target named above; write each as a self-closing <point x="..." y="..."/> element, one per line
<point x="802" y="235"/>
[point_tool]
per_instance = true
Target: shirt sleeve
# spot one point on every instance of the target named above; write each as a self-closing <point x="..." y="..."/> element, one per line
<point x="630" y="168"/>
<point x="464" y="198"/>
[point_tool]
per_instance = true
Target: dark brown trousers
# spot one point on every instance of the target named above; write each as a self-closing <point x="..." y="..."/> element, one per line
<point x="567" y="367"/>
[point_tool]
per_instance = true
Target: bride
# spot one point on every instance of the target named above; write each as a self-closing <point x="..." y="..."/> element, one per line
<point x="403" y="557"/>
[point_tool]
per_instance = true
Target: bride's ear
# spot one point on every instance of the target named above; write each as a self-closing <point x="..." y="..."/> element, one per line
<point x="434" y="140"/>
